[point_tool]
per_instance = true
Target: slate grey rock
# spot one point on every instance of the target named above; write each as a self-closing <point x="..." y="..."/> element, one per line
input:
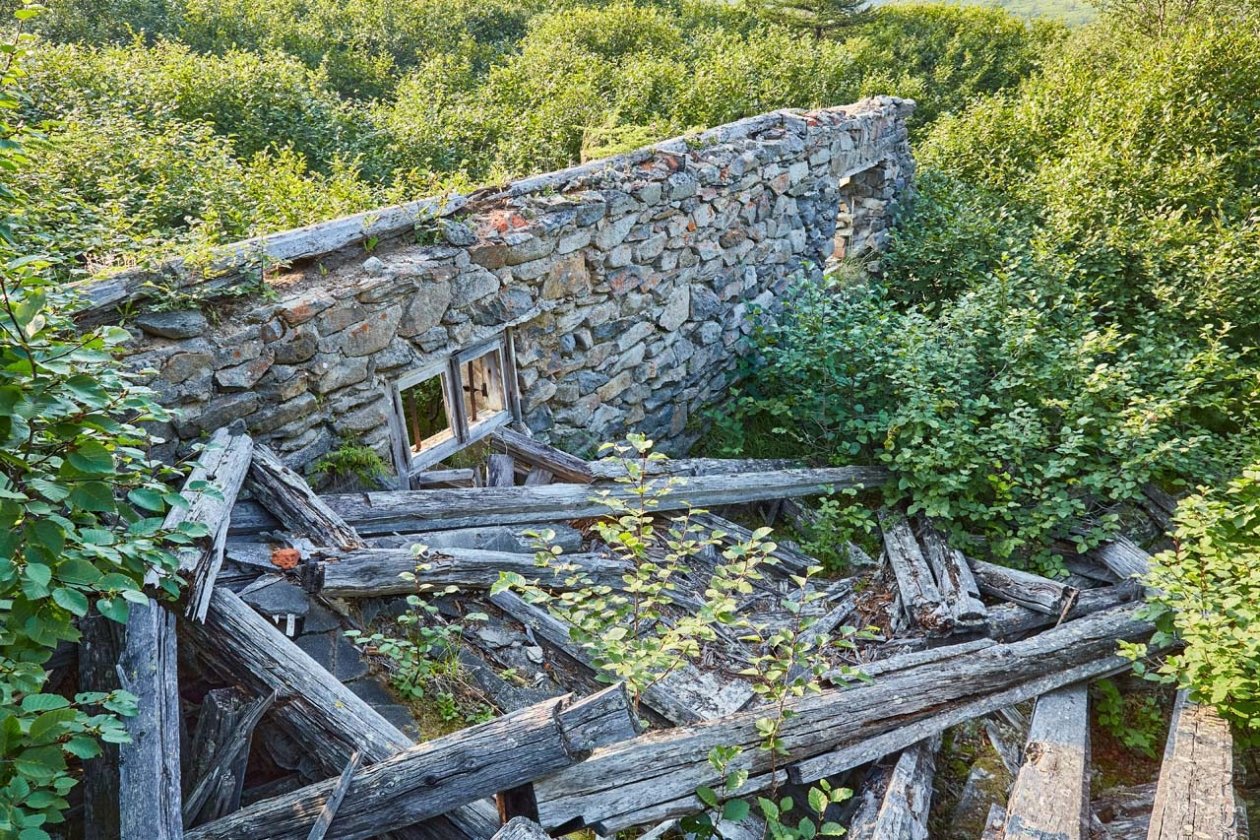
<point x="185" y="324"/>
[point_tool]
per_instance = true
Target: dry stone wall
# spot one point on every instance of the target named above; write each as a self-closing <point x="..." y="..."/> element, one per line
<point x="629" y="287"/>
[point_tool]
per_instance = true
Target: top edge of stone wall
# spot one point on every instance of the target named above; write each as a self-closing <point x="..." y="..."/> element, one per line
<point x="100" y="299"/>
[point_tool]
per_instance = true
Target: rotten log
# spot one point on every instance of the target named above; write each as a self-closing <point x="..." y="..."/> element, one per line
<point x="1195" y="793"/>
<point x="901" y="810"/>
<point x="210" y="491"/>
<point x="538" y="454"/>
<point x="402" y="511"/>
<point x="654" y="777"/>
<point x="954" y="579"/>
<point x="287" y="497"/>
<point x="920" y="597"/>
<point x="1050" y="799"/>
<point x="372" y="572"/>
<point x="134" y="793"/>
<point x="313" y="707"/>
<point x="1026" y="589"/>
<point x="220" y="750"/>
<point x="437" y="776"/>
<point x="686" y="695"/>
<point x="1011" y="619"/>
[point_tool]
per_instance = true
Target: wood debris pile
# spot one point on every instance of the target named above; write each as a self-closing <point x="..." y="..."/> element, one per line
<point x="277" y="730"/>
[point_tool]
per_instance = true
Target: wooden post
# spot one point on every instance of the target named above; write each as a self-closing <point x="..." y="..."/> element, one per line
<point x="1050" y="800"/>
<point x="1195" y="794"/>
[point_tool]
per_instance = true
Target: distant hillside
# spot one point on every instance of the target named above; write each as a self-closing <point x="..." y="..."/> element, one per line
<point x="1071" y="12"/>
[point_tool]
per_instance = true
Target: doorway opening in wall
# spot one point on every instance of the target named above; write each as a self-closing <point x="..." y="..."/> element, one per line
<point x="453" y="404"/>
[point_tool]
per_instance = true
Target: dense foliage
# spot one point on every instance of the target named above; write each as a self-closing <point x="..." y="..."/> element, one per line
<point x="1068" y="313"/>
<point x="183" y="123"/>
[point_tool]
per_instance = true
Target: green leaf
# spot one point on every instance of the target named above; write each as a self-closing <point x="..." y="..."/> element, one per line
<point x="148" y="499"/>
<point x="93" y="496"/>
<point x="91" y="458"/>
<point x="43" y="702"/>
<point x="735" y="810"/>
<point x="707" y="796"/>
<point x="71" y="599"/>
<point x="116" y="609"/>
<point x="51" y="724"/>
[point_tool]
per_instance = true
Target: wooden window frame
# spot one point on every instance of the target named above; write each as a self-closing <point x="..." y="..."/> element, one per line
<point x="450" y="372"/>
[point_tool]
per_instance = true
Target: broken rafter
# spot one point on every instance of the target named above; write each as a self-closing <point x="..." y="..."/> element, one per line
<point x="654" y="777"/>
<point x="429" y="510"/>
<point x="920" y="597"/>
<point x="1050" y="798"/>
<point x="1011" y="619"/>
<point x="901" y="810"/>
<point x="538" y="454"/>
<point x="225" y="728"/>
<point x="432" y="778"/>
<point x="1026" y="589"/>
<point x="954" y="579"/>
<point x="1195" y="794"/>
<point x="287" y="496"/>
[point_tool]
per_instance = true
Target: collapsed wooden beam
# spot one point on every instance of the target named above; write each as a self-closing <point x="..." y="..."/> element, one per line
<point x="562" y="465"/>
<point x="430" y="510"/>
<point x="500" y="471"/>
<point x="954" y="579"/>
<point x="1050" y="799"/>
<point x="313" y="707"/>
<point x="210" y="491"/>
<point x="133" y="793"/>
<point x="1007" y="620"/>
<point x="216" y="777"/>
<point x="920" y="597"/>
<point x="287" y="496"/>
<point x="899" y="806"/>
<point x="1123" y="557"/>
<point x="611" y="469"/>
<point x="654" y="777"/>
<point x="373" y="572"/>
<point x="1026" y="589"/>
<point x="439" y="775"/>
<point x="1195" y="793"/>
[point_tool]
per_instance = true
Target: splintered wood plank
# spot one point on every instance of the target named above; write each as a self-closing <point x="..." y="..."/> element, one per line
<point x="288" y="497"/>
<point x="920" y="597"/>
<point x="520" y="828"/>
<point x="654" y="777"/>
<point x="953" y="578"/>
<point x="1050" y="799"/>
<point x="562" y="465"/>
<point x="500" y="471"/>
<point x="216" y="777"/>
<point x="1123" y="557"/>
<point x="210" y="490"/>
<point x="404" y="511"/>
<point x="1195" y="794"/>
<point x="1029" y="590"/>
<point x="901" y="813"/>
<point x="1011" y="619"/>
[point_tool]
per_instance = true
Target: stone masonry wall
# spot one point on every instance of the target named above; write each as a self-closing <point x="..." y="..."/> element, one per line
<point x="628" y="284"/>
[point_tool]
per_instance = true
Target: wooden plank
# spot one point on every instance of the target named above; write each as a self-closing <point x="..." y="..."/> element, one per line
<point x="210" y="490"/>
<point x="1195" y="793"/>
<point x="443" y="478"/>
<point x="611" y="469"/>
<point x="789" y="558"/>
<point x="954" y="579"/>
<point x="146" y="776"/>
<point x="216" y="777"/>
<point x="538" y="477"/>
<point x="373" y="572"/>
<point x="564" y="466"/>
<point x="1050" y="799"/>
<point x="288" y="497"/>
<point x="1026" y="589"/>
<point x="313" y="707"/>
<point x="1006" y="620"/>
<point x="994" y="822"/>
<point x="903" y="808"/>
<point x="326" y="814"/>
<point x="687" y="695"/>
<point x="1123" y="557"/>
<point x="920" y="597"/>
<point x="432" y="778"/>
<point x="500" y="471"/>
<point x="520" y="828"/>
<point x="654" y="777"/>
<point x="430" y="510"/>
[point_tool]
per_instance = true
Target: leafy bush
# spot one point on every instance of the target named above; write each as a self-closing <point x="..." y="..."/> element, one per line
<point x="1206" y="593"/>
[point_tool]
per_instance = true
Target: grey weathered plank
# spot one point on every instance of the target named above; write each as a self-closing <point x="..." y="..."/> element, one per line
<point x="372" y="572"/>
<point x="610" y="469"/>
<point x="789" y="558"/>
<point x="430" y="510"/>
<point x="1029" y="590"/>
<point x="1010" y="619"/>
<point x="334" y="799"/>
<point x="1123" y="557"/>
<point x="500" y="471"/>
<point x="520" y="828"/>
<point x="210" y="490"/>
<point x="920" y="597"/>
<point x="538" y="454"/>
<point x="146" y="777"/>
<point x="444" y="478"/>
<point x="654" y="776"/>
<point x="432" y="778"/>
<point x="901" y="811"/>
<point x="1050" y="799"/>
<point x="288" y="497"/>
<point x="687" y="695"/>
<point x="216" y="777"/>
<point x="954" y="579"/>
<point x="1195" y="794"/>
<point x="313" y="707"/>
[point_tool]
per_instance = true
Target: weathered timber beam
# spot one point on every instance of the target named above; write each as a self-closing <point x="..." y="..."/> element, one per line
<point x="287" y="496"/>
<point x="372" y="572"/>
<point x="444" y="478"/>
<point x="519" y="828"/>
<point x="954" y="579"/>
<point x="500" y="471"/>
<point x="210" y="490"/>
<point x="1011" y="619"/>
<point x="216" y="777"/>
<point x="1123" y="557"/>
<point x="313" y="707"/>
<point x="610" y="469"/>
<point x="901" y="810"/>
<point x="686" y="695"/>
<point x="1026" y="589"/>
<point x="654" y="777"/>
<point x="1050" y="799"/>
<point x="143" y="776"/>
<point x="790" y="559"/>
<point x="436" y="776"/>
<point x="1195" y="793"/>
<point x="430" y="510"/>
<point x="562" y="465"/>
<point x="920" y="597"/>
